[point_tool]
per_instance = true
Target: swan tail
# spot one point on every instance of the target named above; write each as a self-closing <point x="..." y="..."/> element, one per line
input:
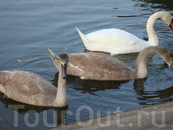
<point x="2" y="89"/>
<point x="3" y="78"/>
<point x="54" y="58"/>
<point x="86" y="42"/>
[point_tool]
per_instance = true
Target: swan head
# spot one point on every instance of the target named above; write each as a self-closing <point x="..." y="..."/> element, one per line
<point x="168" y="58"/>
<point x="171" y="25"/>
<point x="64" y="59"/>
<point x="167" y="18"/>
<point x="61" y="62"/>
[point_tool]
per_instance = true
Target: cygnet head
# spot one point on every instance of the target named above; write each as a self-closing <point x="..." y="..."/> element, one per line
<point x="168" y="58"/>
<point x="64" y="62"/>
<point x="60" y="62"/>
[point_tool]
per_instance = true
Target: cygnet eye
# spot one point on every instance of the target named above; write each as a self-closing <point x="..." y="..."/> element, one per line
<point x="65" y="65"/>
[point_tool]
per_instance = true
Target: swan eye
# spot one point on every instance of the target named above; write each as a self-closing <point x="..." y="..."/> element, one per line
<point x="64" y="66"/>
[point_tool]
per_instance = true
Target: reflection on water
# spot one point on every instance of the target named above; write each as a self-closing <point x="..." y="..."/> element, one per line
<point x="89" y="86"/>
<point x="156" y="96"/>
<point x="27" y="28"/>
<point x="32" y="115"/>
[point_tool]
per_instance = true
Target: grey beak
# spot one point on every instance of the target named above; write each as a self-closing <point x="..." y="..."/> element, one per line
<point x="64" y="72"/>
<point x="171" y="66"/>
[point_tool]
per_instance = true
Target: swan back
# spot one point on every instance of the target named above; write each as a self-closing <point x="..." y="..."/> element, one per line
<point x="98" y="66"/>
<point x="115" y="41"/>
<point x="27" y="87"/>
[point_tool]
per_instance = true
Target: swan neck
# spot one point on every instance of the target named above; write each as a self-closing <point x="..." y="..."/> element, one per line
<point x="61" y="97"/>
<point x="153" y="39"/>
<point x="141" y="68"/>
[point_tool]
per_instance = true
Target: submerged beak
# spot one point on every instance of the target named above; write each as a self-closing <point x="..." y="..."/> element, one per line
<point x="171" y="25"/>
<point x="171" y="66"/>
<point x="64" y="72"/>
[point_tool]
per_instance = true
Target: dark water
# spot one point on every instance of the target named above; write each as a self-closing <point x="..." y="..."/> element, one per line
<point x="27" y="28"/>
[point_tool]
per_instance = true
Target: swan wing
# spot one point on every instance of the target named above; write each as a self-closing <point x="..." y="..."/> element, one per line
<point x="96" y="66"/>
<point x="113" y="38"/>
<point x="19" y="85"/>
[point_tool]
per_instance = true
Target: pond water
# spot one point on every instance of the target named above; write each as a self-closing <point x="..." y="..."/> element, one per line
<point x="27" y="28"/>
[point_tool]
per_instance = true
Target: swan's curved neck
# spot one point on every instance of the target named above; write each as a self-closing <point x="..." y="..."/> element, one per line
<point x="61" y="97"/>
<point x="153" y="39"/>
<point x="141" y="69"/>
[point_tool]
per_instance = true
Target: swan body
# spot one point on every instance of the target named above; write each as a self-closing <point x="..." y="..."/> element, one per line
<point x="30" y="88"/>
<point x="117" y="41"/>
<point x="98" y="66"/>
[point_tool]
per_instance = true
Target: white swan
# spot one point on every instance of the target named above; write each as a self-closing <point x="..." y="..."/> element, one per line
<point x="116" y="41"/>
<point x="98" y="66"/>
<point x="30" y="88"/>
